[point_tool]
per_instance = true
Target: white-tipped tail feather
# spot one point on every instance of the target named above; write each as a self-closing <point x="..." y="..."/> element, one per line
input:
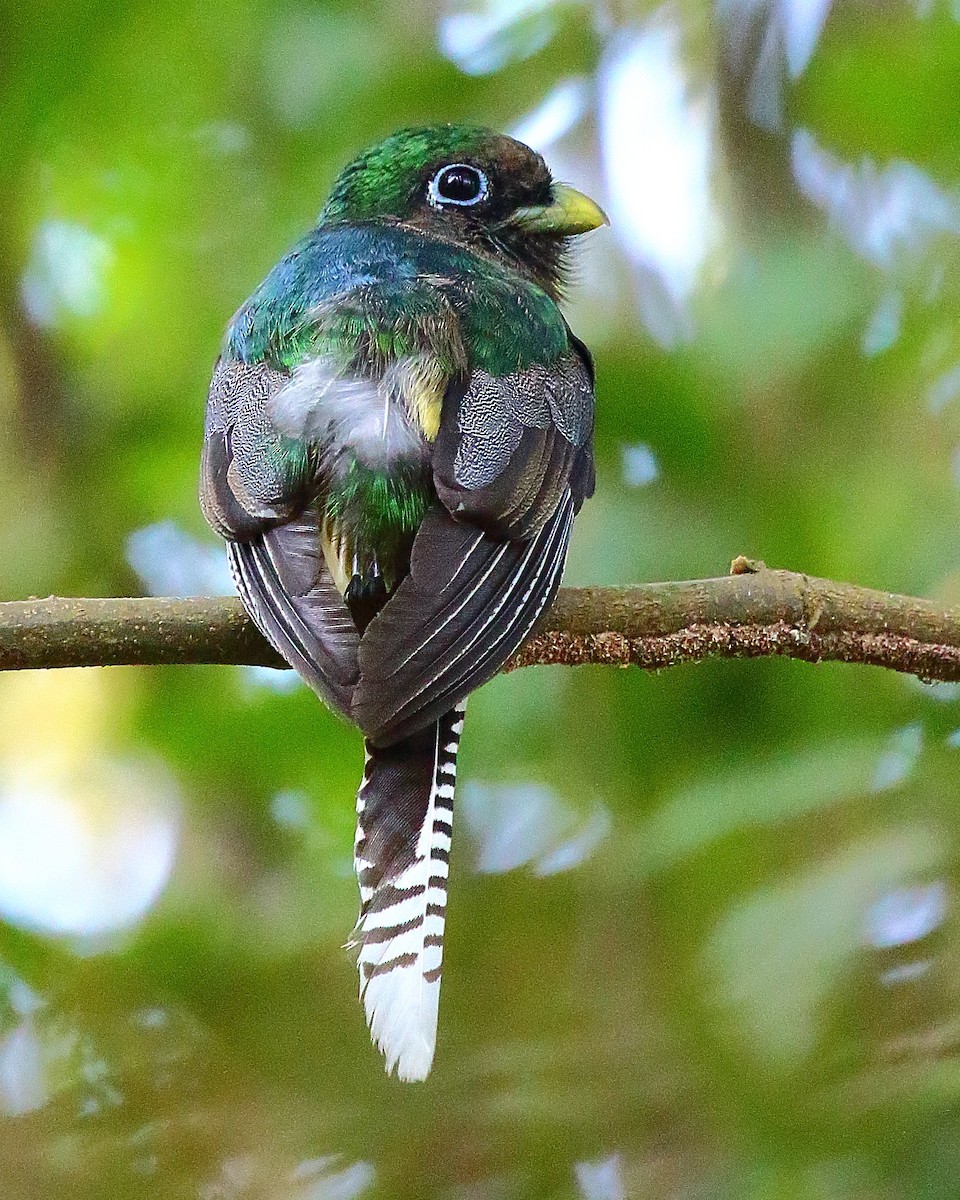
<point x="402" y="855"/>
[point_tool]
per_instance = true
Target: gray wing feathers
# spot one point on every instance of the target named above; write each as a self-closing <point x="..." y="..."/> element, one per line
<point x="508" y="447"/>
<point x="467" y="605"/>
<point x="512" y="465"/>
<point x="255" y="491"/>
<point x="286" y="587"/>
<point x="250" y="475"/>
<point x="495" y="412"/>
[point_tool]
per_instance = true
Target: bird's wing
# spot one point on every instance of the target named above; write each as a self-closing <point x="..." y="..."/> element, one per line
<point x="255" y="490"/>
<point x="512" y="465"/>
<point x="296" y="377"/>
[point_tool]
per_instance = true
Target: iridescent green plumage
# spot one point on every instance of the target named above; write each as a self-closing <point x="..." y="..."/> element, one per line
<point x="397" y="441"/>
<point x="444" y="305"/>
<point x="384" y="509"/>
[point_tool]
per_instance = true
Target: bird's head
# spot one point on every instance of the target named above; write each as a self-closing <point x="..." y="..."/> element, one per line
<point x="472" y="186"/>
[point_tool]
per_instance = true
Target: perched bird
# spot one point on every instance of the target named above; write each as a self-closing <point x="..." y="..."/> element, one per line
<point x="398" y="437"/>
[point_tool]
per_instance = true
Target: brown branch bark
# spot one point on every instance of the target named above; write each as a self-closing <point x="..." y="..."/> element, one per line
<point x="749" y="614"/>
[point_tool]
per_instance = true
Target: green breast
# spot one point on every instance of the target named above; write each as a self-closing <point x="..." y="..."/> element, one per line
<point x="379" y="506"/>
<point x="370" y="518"/>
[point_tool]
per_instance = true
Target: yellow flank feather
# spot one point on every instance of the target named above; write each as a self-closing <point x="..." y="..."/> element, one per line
<point x="337" y="554"/>
<point x="421" y="382"/>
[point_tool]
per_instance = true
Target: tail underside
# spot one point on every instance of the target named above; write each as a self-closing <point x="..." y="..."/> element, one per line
<point x="402" y="853"/>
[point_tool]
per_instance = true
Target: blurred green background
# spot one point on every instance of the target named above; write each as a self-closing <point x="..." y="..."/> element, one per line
<point x="703" y="938"/>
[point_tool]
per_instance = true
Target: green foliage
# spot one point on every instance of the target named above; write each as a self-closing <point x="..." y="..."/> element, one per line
<point x="716" y="992"/>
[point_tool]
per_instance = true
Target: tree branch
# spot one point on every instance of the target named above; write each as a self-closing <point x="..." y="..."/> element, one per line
<point x="752" y="613"/>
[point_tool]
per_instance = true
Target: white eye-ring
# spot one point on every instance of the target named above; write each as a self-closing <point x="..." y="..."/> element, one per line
<point x="459" y="184"/>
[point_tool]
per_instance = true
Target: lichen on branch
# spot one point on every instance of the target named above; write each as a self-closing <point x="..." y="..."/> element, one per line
<point x="752" y="613"/>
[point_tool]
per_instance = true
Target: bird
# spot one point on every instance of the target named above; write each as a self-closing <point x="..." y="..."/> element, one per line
<point x="398" y="437"/>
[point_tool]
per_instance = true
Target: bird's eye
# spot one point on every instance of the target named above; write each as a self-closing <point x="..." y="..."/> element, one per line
<point x="458" y="184"/>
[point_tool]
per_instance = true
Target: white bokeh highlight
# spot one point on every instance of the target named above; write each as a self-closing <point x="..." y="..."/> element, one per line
<point x="787" y="32"/>
<point x="891" y="215"/>
<point x="484" y="37"/>
<point x="557" y="114"/>
<point x="88" y="838"/>
<point x="657" y="137"/>
<point x="66" y="274"/>
<point x="85" y="857"/>
<point x="516" y="825"/>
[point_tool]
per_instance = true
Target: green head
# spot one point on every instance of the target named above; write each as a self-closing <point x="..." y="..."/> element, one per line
<point x="469" y="185"/>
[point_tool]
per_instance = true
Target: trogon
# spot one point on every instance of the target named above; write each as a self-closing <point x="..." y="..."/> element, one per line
<point x="398" y="438"/>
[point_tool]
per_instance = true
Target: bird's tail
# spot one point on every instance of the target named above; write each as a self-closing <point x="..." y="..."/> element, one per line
<point x="402" y="853"/>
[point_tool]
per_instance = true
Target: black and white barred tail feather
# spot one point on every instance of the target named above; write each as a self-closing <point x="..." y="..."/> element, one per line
<point x="402" y="855"/>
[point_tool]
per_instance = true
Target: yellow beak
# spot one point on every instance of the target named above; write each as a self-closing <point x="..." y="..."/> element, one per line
<point x="570" y="213"/>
